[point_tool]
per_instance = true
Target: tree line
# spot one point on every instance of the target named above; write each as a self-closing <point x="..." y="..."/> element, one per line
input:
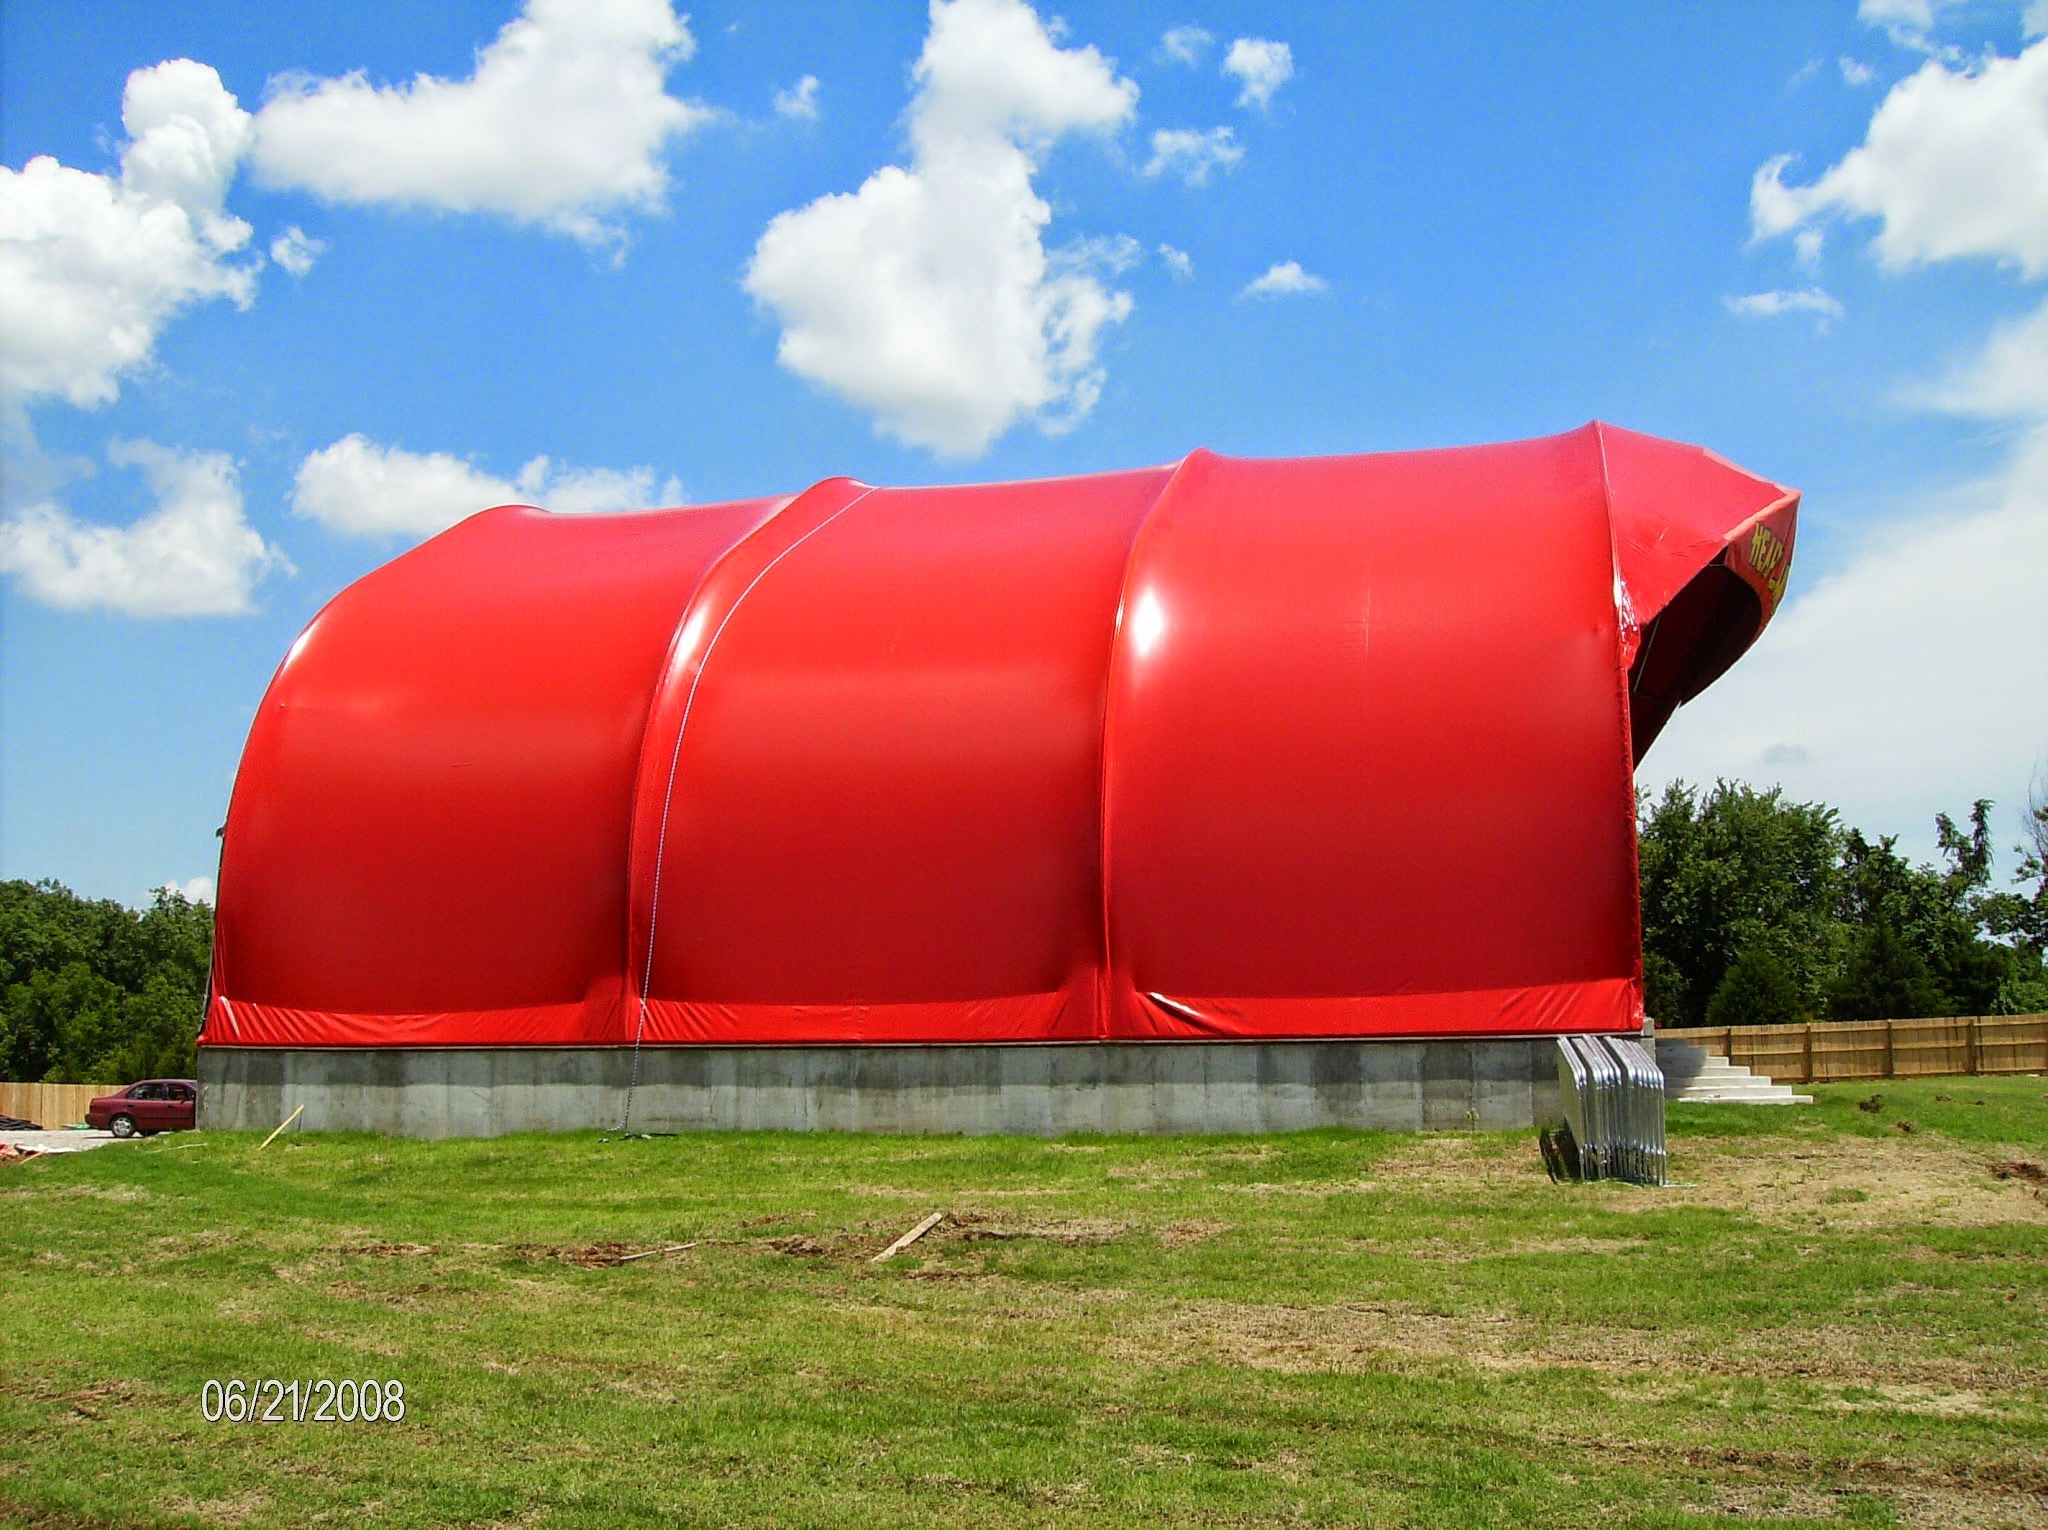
<point x="1759" y="911"/>
<point x="1756" y="911"/>
<point x="92" y="992"/>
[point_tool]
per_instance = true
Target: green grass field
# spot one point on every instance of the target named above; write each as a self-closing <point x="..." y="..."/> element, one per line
<point x="1830" y="1319"/>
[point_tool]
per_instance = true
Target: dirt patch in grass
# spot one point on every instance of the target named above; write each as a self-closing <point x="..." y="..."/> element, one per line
<point x="1196" y="1230"/>
<point x="1842" y="1182"/>
<point x="1769" y="1483"/>
<point x="584" y="1256"/>
<point x="122" y="1194"/>
<point x="360" y="1343"/>
<point x="1755" y="1500"/>
<point x="1932" y="1402"/>
<point x="1457" y="1251"/>
<point x="1426" y="1158"/>
<point x="2023" y="1170"/>
<point x="1367" y="1337"/>
<point x="1907" y="1179"/>
<point x="1597" y="1247"/>
<point x="1921" y="1508"/>
<point x="802" y="1247"/>
<point x="102" y="1397"/>
<point x="1962" y="1508"/>
<point x="1071" y="1232"/>
<point x="237" y="1510"/>
<point x="417" y="1296"/>
<point x="643" y="1389"/>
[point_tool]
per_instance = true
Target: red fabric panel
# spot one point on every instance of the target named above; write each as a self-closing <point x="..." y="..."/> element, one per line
<point x="232" y="1022"/>
<point x="888" y="786"/>
<point x="1065" y="1015"/>
<point x="431" y="814"/>
<point x="1760" y="551"/>
<point x="1368" y="734"/>
<point x="699" y="627"/>
<point x="1675" y="509"/>
<point x="1606" y="1004"/>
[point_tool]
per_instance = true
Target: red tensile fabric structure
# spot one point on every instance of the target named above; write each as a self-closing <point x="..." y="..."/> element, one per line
<point x="1323" y="747"/>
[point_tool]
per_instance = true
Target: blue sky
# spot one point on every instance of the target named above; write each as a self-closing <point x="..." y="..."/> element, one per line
<point x="271" y="315"/>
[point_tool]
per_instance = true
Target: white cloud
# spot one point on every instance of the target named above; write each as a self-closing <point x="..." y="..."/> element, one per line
<point x="296" y="250"/>
<point x="2006" y="380"/>
<point x="194" y="554"/>
<point x="1262" y="66"/>
<point x="564" y="123"/>
<point x="192" y="890"/>
<point x="800" y="100"/>
<point x="595" y="491"/>
<point x="1111" y="254"/>
<point x="1910" y="24"/>
<point x="360" y="488"/>
<point x="2034" y="23"/>
<point x="1192" y="154"/>
<point x="927" y="296"/>
<point x="1898" y="13"/>
<point x="1774" y="207"/>
<point x="1179" y="262"/>
<point x="1283" y="279"/>
<point x="1806" y="248"/>
<point x="1855" y="71"/>
<point x="990" y="68"/>
<point x="1905" y="684"/>
<point x="1187" y="45"/>
<point x="1955" y="163"/>
<point x="187" y="134"/>
<point x="92" y="267"/>
<point x="1765" y="305"/>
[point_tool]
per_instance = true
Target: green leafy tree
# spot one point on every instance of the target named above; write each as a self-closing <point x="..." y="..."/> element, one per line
<point x="93" y="992"/>
<point x="2019" y="917"/>
<point x="1937" y="913"/>
<point x="1665" y="993"/>
<point x="63" y="1022"/>
<point x="1758" y="909"/>
<point x="1757" y="989"/>
<point x="1730" y="872"/>
<point x="157" y="1030"/>
<point x="1885" y="979"/>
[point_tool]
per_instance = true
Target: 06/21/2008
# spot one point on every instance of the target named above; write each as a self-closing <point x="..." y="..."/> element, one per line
<point x="319" y="1401"/>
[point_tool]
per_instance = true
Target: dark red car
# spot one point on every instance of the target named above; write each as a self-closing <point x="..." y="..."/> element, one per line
<point x="154" y="1105"/>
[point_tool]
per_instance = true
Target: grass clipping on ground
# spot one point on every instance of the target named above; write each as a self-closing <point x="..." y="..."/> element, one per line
<point x="1835" y="1316"/>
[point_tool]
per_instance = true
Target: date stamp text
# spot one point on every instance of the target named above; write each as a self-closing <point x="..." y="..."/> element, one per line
<point x="322" y="1400"/>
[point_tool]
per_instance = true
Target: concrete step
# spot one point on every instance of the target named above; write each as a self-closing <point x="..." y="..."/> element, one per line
<point x="1746" y="1094"/>
<point x="1699" y="1077"/>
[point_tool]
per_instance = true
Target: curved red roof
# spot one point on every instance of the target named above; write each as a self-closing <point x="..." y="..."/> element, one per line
<point x="1318" y="747"/>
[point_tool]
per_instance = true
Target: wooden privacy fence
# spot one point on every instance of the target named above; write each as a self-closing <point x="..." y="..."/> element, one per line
<point x="1843" y="1049"/>
<point x="50" y="1105"/>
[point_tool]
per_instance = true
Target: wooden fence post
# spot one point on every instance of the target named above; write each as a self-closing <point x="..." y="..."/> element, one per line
<point x="1970" y="1043"/>
<point x="1889" y="1049"/>
<point x="1809" y="1053"/>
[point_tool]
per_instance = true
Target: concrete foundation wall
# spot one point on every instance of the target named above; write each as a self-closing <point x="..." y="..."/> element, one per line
<point x="1039" y="1090"/>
